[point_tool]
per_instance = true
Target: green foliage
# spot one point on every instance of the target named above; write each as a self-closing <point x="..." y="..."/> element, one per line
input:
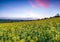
<point x="33" y="31"/>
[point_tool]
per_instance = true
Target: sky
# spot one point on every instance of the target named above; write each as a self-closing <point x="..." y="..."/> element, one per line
<point x="29" y="8"/>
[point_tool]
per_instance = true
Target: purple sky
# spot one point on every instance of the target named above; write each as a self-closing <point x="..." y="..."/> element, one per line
<point x="29" y="8"/>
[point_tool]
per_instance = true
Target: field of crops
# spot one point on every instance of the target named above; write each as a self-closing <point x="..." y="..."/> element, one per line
<point x="32" y="31"/>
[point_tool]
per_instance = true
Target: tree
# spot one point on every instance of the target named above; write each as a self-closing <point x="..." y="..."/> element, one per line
<point x="57" y="15"/>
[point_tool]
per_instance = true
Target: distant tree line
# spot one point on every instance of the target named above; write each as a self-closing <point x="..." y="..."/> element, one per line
<point x="9" y="20"/>
<point x="57" y="15"/>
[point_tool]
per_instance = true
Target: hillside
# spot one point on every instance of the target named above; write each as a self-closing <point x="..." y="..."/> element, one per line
<point x="44" y="30"/>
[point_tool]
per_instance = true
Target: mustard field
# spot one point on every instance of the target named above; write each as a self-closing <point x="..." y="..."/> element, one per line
<point x="47" y="30"/>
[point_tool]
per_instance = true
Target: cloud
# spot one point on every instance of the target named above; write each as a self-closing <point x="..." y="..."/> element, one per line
<point x="32" y="4"/>
<point x="42" y="3"/>
<point x="30" y="13"/>
<point x="59" y="6"/>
